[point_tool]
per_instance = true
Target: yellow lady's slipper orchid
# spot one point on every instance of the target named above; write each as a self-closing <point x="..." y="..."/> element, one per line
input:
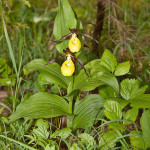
<point x="68" y="68"/>
<point x="74" y="43"/>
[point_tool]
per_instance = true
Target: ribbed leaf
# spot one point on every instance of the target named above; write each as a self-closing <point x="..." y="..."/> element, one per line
<point x="69" y="14"/>
<point x="64" y="20"/>
<point x="86" y="83"/>
<point x="41" y="105"/>
<point x="52" y="72"/>
<point x="122" y="68"/>
<point x="131" y="115"/>
<point x="142" y="101"/>
<point x="98" y="72"/>
<point x="108" y="139"/>
<point x="83" y="82"/>
<point x="109" y="61"/>
<point x="113" y="110"/>
<point x="145" y="125"/>
<point x="87" y="111"/>
<point x="137" y="141"/>
<point x="42" y="129"/>
<point x="86" y="139"/>
<point x="107" y="91"/>
<point x="98" y="75"/>
<point x="129" y="88"/>
<point x="63" y="133"/>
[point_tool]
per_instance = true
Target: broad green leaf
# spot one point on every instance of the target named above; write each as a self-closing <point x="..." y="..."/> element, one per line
<point x="122" y="68"/>
<point x="139" y="92"/>
<point x="41" y="105"/>
<point x="86" y="139"/>
<point x="142" y="101"/>
<point x="98" y="72"/>
<point x="5" y="82"/>
<point x="113" y="110"/>
<point x="51" y="73"/>
<point x="137" y="142"/>
<point x="131" y="115"/>
<point x="116" y="126"/>
<point x="128" y="88"/>
<point x="60" y="29"/>
<point x="83" y="82"/>
<point x="107" y="140"/>
<point x="106" y="91"/>
<point x="98" y="76"/>
<point x="87" y="111"/>
<point x="109" y="61"/>
<point x="93" y="63"/>
<point x="41" y="130"/>
<point x="64" y="20"/>
<point x="69" y="14"/>
<point x="145" y="126"/>
<point x="121" y="102"/>
<point x="63" y="133"/>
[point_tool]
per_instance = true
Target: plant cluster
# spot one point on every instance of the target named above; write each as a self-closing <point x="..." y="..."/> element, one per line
<point x="63" y="110"/>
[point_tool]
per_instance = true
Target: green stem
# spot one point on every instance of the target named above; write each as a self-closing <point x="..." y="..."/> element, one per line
<point x="70" y="107"/>
<point x="70" y="117"/>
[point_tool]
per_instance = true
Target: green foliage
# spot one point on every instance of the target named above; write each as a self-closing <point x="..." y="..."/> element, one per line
<point x="25" y="33"/>
<point x="41" y="129"/>
<point x="137" y="141"/>
<point x="63" y="133"/>
<point x="6" y="79"/>
<point x="145" y="125"/>
<point x="142" y="101"/>
<point x="106" y="91"/>
<point x="41" y="105"/>
<point x="109" y="61"/>
<point x="116" y="126"/>
<point x="131" y="115"/>
<point x="50" y="73"/>
<point x="129" y="87"/>
<point x="108" y="139"/>
<point x="113" y="110"/>
<point x="75" y="147"/>
<point x="98" y="72"/>
<point x="64" y="21"/>
<point x="87" y="111"/>
<point x="122" y="68"/>
<point x="86" y="139"/>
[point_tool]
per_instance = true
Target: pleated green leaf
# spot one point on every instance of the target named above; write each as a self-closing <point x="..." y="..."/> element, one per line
<point x="131" y="115"/>
<point x="109" y="61"/>
<point x="129" y="88"/>
<point x="122" y="68"/>
<point x="69" y="14"/>
<point x="113" y="110"/>
<point x="142" y="101"/>
<point x="87" y="111"/>
<point x="83" y="82"/>
<point x="98" y="76"/>
<point x="145" y="125"/>
<point x="64" y="20"/>
<point x="51" y="73"/>
<point x="41" y="105"/>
